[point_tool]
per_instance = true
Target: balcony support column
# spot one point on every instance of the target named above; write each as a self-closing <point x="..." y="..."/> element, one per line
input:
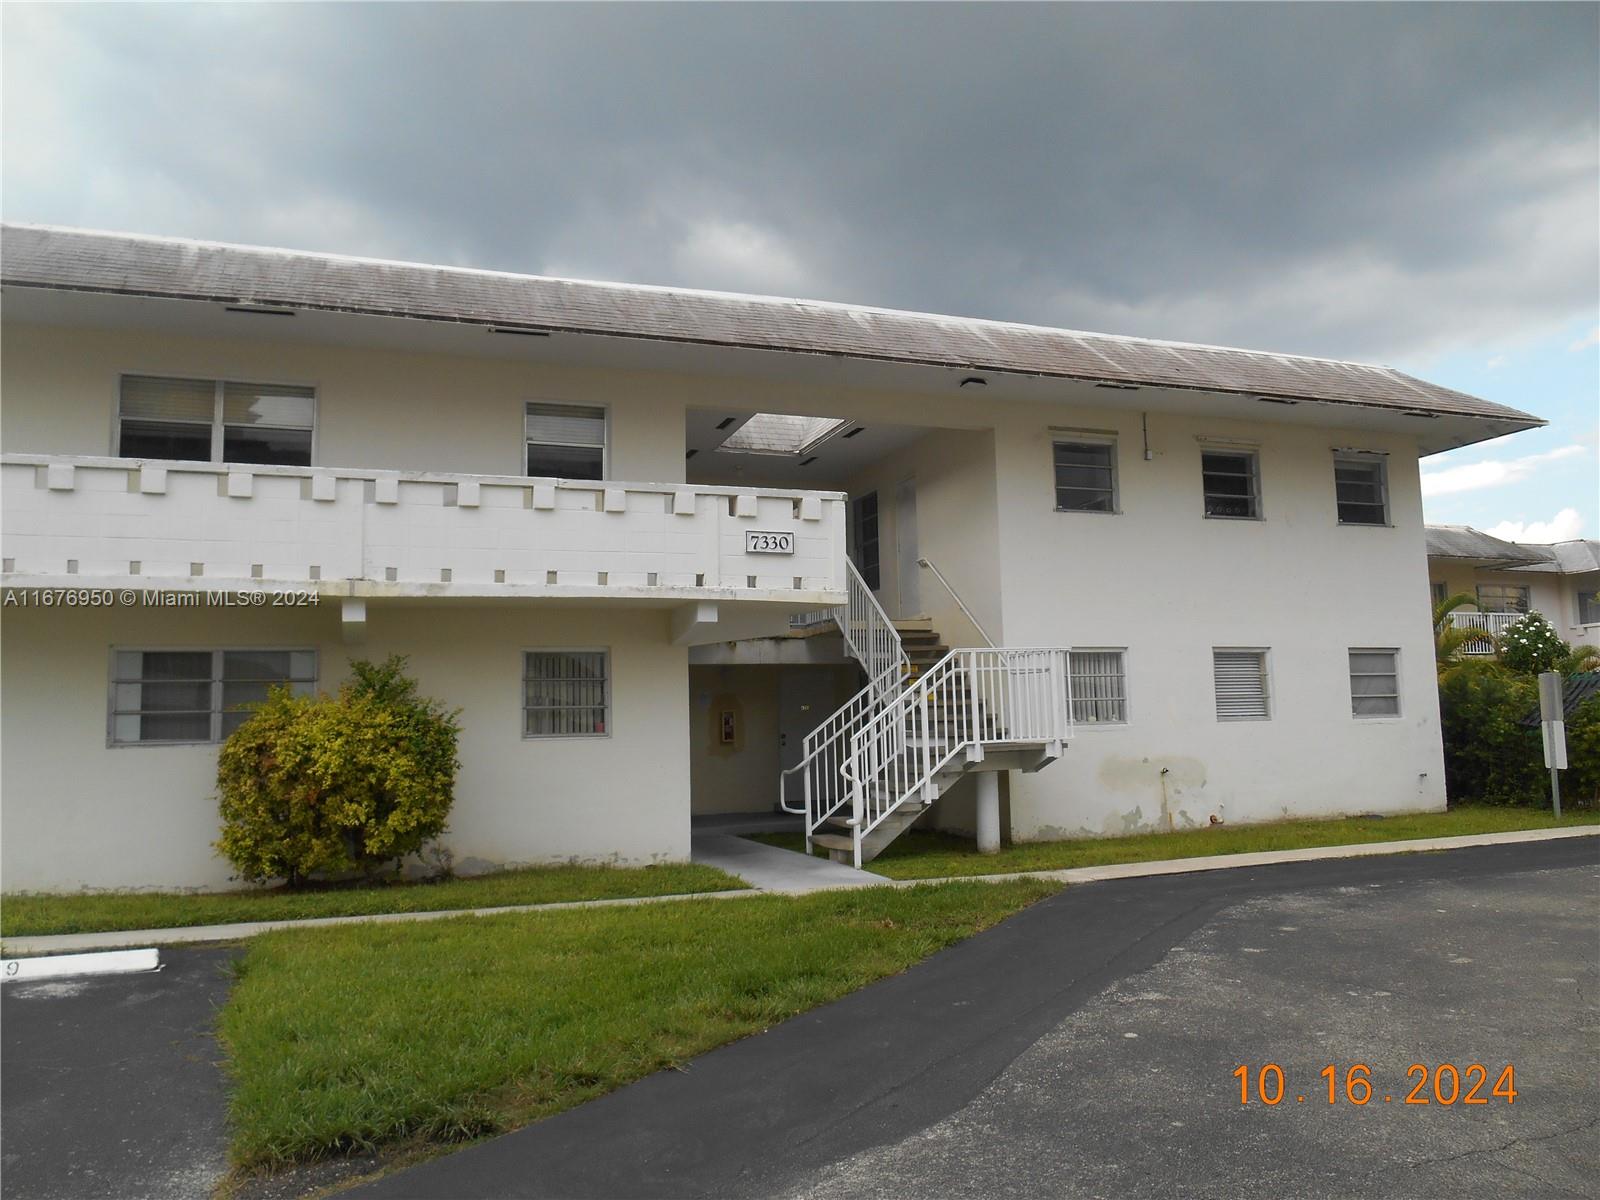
<point x="988" y="784"/>
<point x="691" y="622"/>
<point x="352" y="621"/>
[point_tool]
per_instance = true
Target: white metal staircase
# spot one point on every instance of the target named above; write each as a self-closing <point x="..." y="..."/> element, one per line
<point x="873" y="767"/>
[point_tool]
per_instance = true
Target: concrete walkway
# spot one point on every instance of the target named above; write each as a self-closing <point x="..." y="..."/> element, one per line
<point x="755" y="858"/>
<point x="772" y="869"/>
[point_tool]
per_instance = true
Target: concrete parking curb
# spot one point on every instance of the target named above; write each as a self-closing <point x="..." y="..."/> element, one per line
<point x="69" y="942"/>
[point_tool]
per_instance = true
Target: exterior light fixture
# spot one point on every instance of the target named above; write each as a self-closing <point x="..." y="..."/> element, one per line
<point x="974" y="381"/>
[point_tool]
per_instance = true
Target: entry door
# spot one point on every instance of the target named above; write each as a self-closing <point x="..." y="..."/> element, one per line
<point x="907" y="573"/>
<point x="806" y="695"/>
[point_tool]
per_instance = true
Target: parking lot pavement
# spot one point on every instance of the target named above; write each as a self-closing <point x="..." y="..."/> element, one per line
<point x="1004" y="1066"/>
<point x="1134" y="1094"/>
<point x="111" y="1087"/>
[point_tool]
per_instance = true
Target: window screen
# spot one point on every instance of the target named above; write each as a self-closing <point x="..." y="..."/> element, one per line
<point x="565" y="441"/>
<point x="1086" y="477"/>
<point x="1361" y="488"/>
<point x="566" y="693"/>
<point x="266" y="423"/>
<point x="208" y="420"/>
<point x="1374" y="683"/>
<point x="1503" y="597"/>
<point x="1240" y="677"/>
<point x="1099" y="687"/>
<point x="1229" y="480"/>
<point x="1588" y="606"/>
<point x="198" y="695"/>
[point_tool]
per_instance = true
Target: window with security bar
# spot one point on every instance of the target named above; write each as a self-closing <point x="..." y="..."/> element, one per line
<point x="178" y="696"/>
<point x="1374" y="683"/>
<point x="1099" y="687"/>
<point x="1240" y="679"/>
<point x="566" y="693"/>
<point x="565" y="441"/>
<point x="215" y="420"/>
<point x="1361" y="487"/>
<point x="1085" y="475"/>
<point x="1230" y="480"/>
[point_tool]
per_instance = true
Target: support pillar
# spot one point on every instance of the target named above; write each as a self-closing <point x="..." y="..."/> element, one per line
<point x="988" y="812"/>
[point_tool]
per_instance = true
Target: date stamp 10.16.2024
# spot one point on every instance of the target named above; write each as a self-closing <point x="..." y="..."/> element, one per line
<point x="1443" y="1084"/>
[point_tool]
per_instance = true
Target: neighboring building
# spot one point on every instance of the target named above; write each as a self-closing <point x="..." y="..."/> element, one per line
<point x="611" y="524"/>
<point x="1508" y="580"/>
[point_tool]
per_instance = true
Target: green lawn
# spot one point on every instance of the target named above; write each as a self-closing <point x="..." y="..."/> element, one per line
<point x="363" y="1036"/>
<point x="929" y="855"/>
<point x="23" y="914"/>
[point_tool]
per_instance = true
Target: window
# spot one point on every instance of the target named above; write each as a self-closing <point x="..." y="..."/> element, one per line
<point x="1374" y="683"/>
<point x="1240" y="677"/>
<point x="1503" y="597"/>
<point x="1361" y="486"/>
<point x="1099" y="687"/>
<point x="864" y="519"/>
<point x="566" y="693"/>
<point x="1438" y="593"/>
<point x="1086" y="476"/>
<point x="565" y="441"/>
<point x="1230" y="480"/>
<point x="1588" y="606"/>
<point x="209" y="420"/>
<point x="198" y="695"/>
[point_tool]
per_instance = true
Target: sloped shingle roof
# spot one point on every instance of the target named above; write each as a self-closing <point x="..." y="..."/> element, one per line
<point x="1463" y="541"/>
<point x="83" y="260"/>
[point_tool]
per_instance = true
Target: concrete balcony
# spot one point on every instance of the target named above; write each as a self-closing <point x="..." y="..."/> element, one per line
<point x="80" y="522"/>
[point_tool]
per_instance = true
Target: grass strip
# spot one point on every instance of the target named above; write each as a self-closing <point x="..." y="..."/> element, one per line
<point x="360" y="1037"/>
<point x="927" y="854"/>
<point x="25" y="914"/>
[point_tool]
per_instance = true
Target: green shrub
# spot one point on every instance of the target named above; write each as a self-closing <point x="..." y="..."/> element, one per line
<point x="1489" y="755"/>
<point x="1580" y="782"/>
<point x="337" y="784"/>
<point x="1532" y="645"/>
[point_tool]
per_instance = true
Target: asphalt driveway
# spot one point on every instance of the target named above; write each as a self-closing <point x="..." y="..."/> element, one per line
<point x="112" y="1086"/>
<point x="1086" y="1048"/>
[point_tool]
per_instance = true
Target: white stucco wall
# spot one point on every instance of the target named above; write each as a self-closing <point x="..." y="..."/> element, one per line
<point x="375" y="408"/>
<point x="957" y="529"/>
<point x="80" y="813"/>
<point x="1157" y="578"/>
<point x="1169" y="585"/>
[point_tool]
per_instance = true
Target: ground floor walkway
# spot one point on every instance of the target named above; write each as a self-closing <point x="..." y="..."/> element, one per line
<point x="775" y="870"/>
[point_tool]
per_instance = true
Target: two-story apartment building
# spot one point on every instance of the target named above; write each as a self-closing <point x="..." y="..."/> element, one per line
<point x="662" y="546"/>
<point x="1508" y="580"/>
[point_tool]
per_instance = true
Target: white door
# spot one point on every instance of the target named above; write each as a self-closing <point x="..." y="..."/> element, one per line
<point x="907" y="573"/>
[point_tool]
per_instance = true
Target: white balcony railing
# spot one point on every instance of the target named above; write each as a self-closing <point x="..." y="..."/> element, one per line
<point x="376" y="533"/>
<point x="1492" y="623"/>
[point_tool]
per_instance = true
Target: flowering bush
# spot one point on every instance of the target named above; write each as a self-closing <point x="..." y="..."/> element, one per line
<point x="337" y="783"/>
<point x="1532" y="645"/>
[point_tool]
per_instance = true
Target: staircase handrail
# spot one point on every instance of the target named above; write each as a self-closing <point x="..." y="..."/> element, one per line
<point x="956" y="596"/>
<point x="1013" y="695"/>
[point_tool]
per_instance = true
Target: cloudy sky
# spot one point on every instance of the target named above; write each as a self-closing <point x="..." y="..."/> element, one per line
<point x="1417" y="185"/>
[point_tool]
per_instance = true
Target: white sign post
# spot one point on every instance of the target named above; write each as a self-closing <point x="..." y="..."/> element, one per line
<point x="1553" y="725"/>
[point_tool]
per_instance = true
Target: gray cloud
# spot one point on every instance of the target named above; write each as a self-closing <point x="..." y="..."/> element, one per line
<point x="1358" y="180"/>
